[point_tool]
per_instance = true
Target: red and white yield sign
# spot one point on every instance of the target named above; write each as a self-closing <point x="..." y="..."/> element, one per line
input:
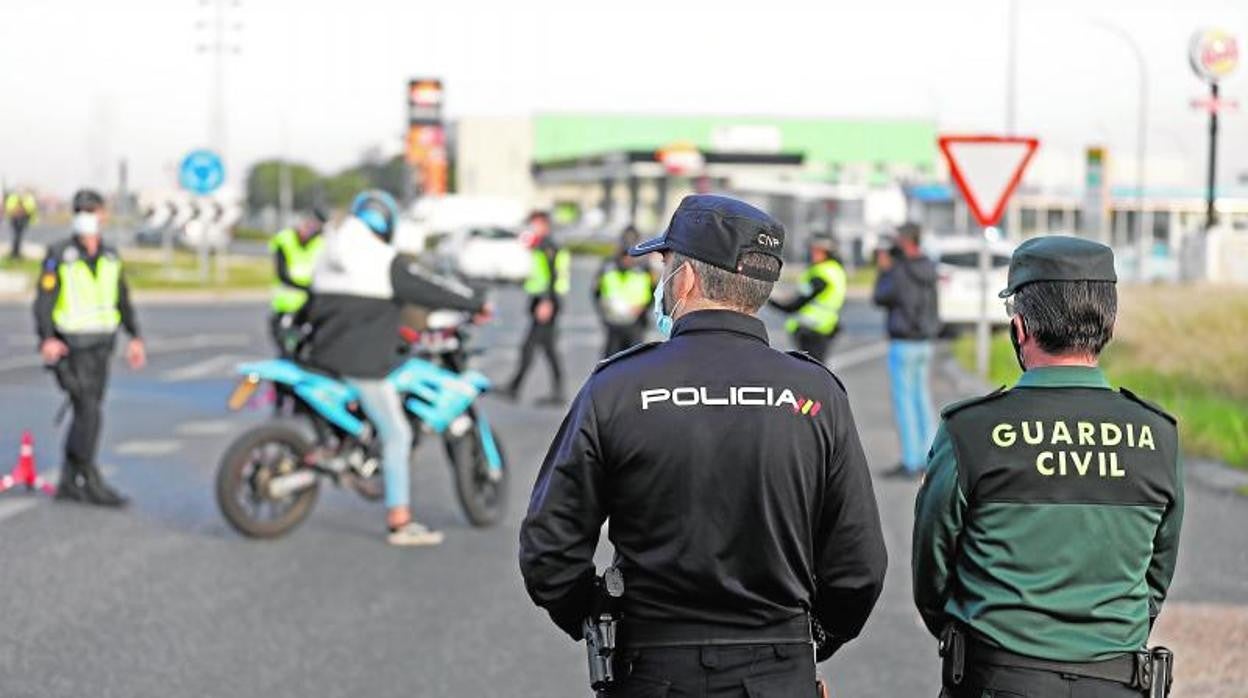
<point x="987" y="170"/>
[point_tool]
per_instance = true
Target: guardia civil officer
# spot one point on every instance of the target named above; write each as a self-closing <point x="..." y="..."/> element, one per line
<point x="815" y="314"/>
<point x="82" y="301"/>
<point x="739" y="498"/>
<point x="1046" y="532"/>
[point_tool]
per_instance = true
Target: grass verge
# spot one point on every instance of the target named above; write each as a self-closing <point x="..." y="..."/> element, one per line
<point x="147" y="270"/>
<point x="1181" y="347"/>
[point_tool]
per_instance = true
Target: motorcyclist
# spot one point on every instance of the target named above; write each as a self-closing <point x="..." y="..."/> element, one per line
<point x="358" y="287"/>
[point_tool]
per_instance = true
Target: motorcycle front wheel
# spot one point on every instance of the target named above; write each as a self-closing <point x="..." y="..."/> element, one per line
<point x="255" y="458"/>
<point x="482" y="494"/>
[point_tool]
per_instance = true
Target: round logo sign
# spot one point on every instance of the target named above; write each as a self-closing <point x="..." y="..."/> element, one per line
<point x="201" y="172"/>
<point x="1213" y="54"/>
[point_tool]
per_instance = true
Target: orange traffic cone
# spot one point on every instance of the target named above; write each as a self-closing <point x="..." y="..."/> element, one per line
<point x="25" y="472"/>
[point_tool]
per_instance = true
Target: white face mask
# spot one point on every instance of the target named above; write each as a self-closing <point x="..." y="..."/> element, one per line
<point x="86" y="223"/>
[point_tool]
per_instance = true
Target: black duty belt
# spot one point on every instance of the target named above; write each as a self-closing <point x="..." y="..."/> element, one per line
<point x="639" y="634"/>
<point x="1125" y="669"/>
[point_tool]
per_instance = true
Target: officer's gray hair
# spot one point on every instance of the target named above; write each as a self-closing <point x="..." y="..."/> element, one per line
<point x="736" y="291"/>
<point x="1068" y="317"/>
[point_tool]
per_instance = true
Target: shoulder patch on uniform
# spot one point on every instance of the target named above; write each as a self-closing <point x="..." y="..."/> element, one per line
<point x="635" y="349"/>
<point x="804" y="356"/>
<point x="47" y="281"/>
<point x="960" y="405"/>
<point x="1149" y="405"/>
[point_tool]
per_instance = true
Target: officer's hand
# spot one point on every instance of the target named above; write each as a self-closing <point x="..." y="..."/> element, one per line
<point x="52" y="350"/>
<point x="136" y="354"/>
<point x="544" y="311"/>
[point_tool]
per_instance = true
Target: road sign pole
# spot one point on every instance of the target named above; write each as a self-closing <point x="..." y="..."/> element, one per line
<point x="982" y="327"/>
<point x="1211" y="212"/>
<point x="203" y="257"/>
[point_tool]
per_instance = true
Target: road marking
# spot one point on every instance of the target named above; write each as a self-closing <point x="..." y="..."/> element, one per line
<point x="148" y="447"/>
<point x="13" y="507"/>
<point x="202" y="369"/>
<point x="158" y="345"/>
<point x="204" y="427"/>
<point x="198" y="341"/>
<point x="17" y="362"/>
<point x="858" y="355"/>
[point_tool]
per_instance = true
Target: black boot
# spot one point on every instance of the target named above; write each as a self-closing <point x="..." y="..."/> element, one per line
<point x="100" y="494"/>
<point x="69" y="489"/>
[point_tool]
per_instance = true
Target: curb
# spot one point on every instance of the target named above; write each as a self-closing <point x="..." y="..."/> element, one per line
<point x="1208" y="473"/>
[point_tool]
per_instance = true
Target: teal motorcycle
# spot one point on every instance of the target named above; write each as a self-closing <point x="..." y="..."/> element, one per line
<point x="269" y="477"/>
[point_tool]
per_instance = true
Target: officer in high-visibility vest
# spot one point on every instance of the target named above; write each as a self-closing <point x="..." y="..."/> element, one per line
<point x="622" y="291"/>
<point x="22" y="210"/>
<point x="81" y="302"/>
<point x="549" y="281"/>
<point x="295" y="251"/>
<point x="815" y="314"/>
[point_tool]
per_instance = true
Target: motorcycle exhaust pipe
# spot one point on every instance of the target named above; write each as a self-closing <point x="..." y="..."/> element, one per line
<point x="286" y="485"/>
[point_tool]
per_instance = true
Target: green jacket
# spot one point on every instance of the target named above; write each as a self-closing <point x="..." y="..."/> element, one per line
<point x="1049" y="520"/>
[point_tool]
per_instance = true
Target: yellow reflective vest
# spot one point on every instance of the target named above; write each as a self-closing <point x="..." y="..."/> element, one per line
<point x="621" y="290"/>
<point x="823" y="312"/>
<point x="15" y="204"/>
<point x="88" y="302"/>
<point x="300" y="263"/>
<point x="541" y="276"/>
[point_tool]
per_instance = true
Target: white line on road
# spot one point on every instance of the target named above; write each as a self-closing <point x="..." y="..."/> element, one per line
<point x="204" y="427"/>
<point x="202" y="369"/>
<point x="159" y="345"/>
<point x="148" y="447"/>
<point x="198" y="341"/>
<point x="858" y="355"/>
<point x="13" y="507"/>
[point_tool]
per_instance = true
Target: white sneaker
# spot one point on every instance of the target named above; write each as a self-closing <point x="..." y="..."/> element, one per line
<point x="414" y="533"/>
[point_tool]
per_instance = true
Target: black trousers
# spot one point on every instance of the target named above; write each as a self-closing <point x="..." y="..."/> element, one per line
<point x="19" y="229"/>
<point x="621" y="337"/>
<point x="983" y="681"/>
<point x="544" y="337"/>
<point x="813" y="343"/>
<point x="724" y="671"/>
<point x="83" y="375"/>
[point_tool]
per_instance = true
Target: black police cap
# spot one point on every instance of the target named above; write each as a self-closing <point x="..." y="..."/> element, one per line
<point x="720" y="230"/>
<point x="88" y="200"/>
<point x="1059" y="258"/>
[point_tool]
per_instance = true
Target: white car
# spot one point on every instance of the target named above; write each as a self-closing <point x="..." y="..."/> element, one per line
<point x="957" y="263"/>
<point x="486" y="252"/>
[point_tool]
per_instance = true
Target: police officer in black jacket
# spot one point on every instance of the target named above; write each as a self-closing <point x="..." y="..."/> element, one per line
<point x="740" y="502"/>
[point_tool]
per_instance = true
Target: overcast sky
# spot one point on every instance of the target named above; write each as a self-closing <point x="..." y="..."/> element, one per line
<point x="85" y="82"/>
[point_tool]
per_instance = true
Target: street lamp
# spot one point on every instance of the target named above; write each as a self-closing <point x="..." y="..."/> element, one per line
<point x="1141" y="132"/>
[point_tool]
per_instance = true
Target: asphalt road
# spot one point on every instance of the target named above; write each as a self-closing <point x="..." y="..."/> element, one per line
<point x="165" y="600"/>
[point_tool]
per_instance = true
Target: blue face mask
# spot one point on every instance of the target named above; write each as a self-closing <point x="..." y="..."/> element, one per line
<point x="662" y="320"/>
